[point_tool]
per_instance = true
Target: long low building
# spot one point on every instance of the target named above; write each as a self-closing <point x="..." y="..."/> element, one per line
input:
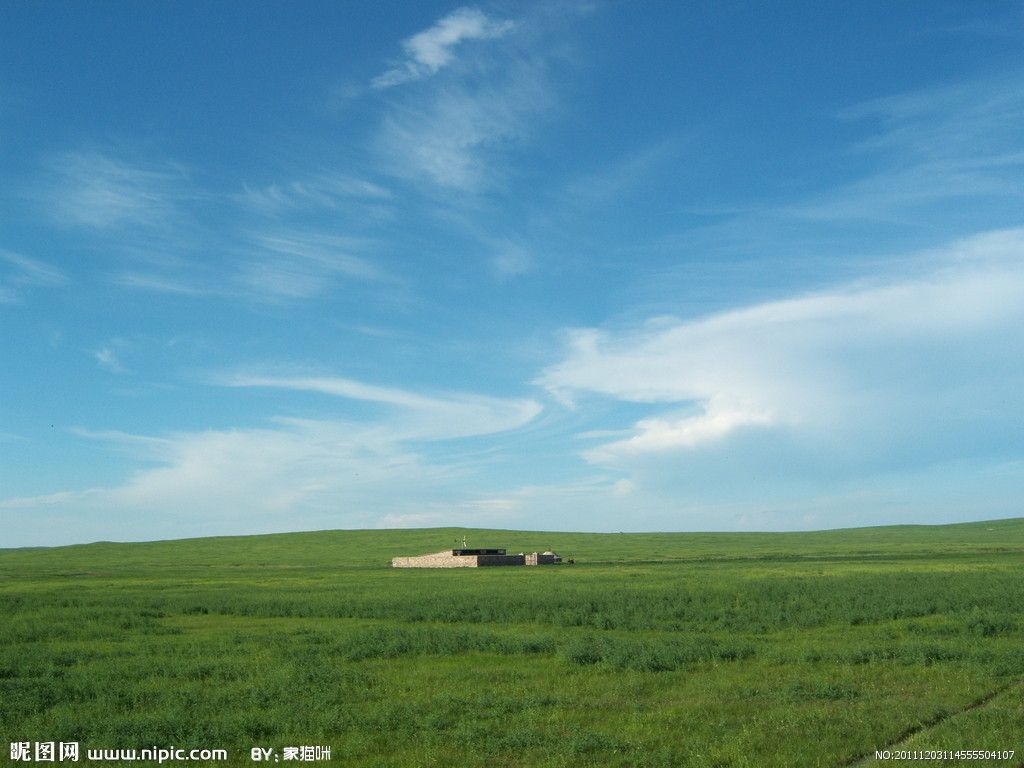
<point x="474" y="558"/>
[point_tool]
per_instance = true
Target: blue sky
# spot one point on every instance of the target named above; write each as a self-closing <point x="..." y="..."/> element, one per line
<point x="573" y="266"/>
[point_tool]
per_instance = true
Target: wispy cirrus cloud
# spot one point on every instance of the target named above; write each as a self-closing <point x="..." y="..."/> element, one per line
<point x="114" y="196"/>
<point x="108" y="359"/>
<point x="451" y="130"/>
<point x="279" y="264"/>
<point x="19" y="273"/>
<point x="433" y="48"/>
<point x="150" y="281"/>
<point x="951" y="142"/>
<point x="129" y="206"/>
<point x="427" y="417"/>
<point x="100" y="191"/>
<point x="294" y="264"/>
<point x="452" y="136"/>
<point x="512" y="259"/>
<point x="920" y="168"/>
<point x="621" y="175"/>
<point x="318" y="191"/>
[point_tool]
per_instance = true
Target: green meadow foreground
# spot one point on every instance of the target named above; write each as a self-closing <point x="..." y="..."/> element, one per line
<point x="802" y="649"/>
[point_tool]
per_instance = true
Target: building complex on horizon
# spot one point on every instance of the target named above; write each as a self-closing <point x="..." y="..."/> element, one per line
<point x="474" y="558"/>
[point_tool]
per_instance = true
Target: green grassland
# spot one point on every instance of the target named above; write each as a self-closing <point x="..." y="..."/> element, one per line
<point x="782" y="649"/>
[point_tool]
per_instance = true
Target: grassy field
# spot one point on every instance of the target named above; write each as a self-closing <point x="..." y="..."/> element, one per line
<point x="795" y="649"/>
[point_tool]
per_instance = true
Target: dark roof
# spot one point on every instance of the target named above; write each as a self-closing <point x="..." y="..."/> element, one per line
<point x="478" y="551"/>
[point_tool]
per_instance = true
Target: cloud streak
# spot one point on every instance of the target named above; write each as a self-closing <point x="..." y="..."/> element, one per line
<point x="129" y="206"/>
<point x="435" y="418"/>
<point x="951" y="142"/>
<point x="19" y="273"/>
<point x="268" y="265"/>
<point x="292" y="264"/>
<point x="433" y="49"/>
<point x="108" y="359"/>
<point x="451" y="136"/>
<point x="332" y="192"/>
<point x="98" y="191"/>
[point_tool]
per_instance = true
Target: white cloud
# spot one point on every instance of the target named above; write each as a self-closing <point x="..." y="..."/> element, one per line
<point x="926" y="365"/>
<point x="293" y="473"/>
<point x="264" y="470"/>
<point x="432" y="49"/>
<point x="660" y="434"/>
<point x="296" y="475"/>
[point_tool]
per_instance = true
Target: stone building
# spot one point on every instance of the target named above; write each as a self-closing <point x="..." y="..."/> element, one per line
<point x="474" y="558"/>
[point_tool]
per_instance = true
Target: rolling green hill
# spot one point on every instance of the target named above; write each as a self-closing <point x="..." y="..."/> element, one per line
<point x="667" y="649"/>
<point x="367" y="548"/>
